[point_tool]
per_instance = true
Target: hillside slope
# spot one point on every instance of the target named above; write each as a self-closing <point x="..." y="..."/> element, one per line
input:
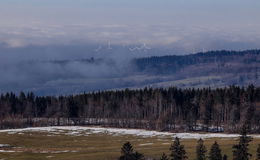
<point x="215" y="69"/>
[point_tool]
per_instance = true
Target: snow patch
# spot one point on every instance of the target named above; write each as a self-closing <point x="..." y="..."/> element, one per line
<point x="4" y="145"/>
<point x="85" y="131"/>
<point x="49" y="156"/>
<point x="146" y="144"/>
<point x="166" y="143"/>
<point x="55" y="152"/>
<point x="7" y="151"/>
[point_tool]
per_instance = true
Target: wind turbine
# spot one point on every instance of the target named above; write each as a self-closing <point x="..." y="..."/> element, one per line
<point x="193" y="51"/>
<point x="145" y="47"/>
<point x="99" y="48"/>
<point x="109" y="45"/>
<point x="203" y="50"/>
<point x="133" y="49"/>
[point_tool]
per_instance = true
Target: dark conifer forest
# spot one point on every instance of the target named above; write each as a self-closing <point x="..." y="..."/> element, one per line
<point x="172" y="109"/>
<point x="217" y="59"/>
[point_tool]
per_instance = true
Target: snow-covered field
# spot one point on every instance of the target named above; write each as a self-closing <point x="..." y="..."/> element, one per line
<point x="85" y="131"/>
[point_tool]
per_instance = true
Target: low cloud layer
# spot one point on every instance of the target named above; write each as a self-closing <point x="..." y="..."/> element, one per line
<point x="57" y="70"/>
<point x="185" y="38"/>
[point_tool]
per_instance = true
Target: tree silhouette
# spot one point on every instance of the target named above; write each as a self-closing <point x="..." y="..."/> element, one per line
<point x="200" y="150"/>
<point x="177" y="150"/>
<point x="240" y="150"/>
<point x="127" y="153"/>
<point x="215" y="152"/>
<point x="258" y="152"/>
<point x="225" y="157"/>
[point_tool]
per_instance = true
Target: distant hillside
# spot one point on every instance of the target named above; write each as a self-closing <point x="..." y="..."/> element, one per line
<point x="214" y="68"/>
<point x="72" y="76"/>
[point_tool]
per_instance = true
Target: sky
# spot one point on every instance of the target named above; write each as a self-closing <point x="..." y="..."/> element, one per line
<point x="166" y="22"/>
<point x="35" y="33"/>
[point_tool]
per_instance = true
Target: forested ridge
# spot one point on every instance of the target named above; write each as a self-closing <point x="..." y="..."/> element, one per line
<point x="216" y="69"/>
<point x="171" y="109"/>
<point x="173" y="63"/>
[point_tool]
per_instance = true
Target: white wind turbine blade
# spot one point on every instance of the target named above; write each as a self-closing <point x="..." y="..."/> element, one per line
<point x="133" y="49"/>
<point x="99" y="48"/>
<point x="146" y="47"/>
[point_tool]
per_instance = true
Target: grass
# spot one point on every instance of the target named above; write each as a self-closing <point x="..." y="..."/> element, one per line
<point x="43" y="146"/>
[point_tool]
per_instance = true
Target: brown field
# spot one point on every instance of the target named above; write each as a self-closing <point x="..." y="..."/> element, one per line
<point x="95" y="146"/>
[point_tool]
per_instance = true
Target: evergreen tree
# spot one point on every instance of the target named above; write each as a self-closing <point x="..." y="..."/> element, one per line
<point x="137" y="156"/>
<point x="201" y="150"/>
<point x="128" y="153"/>
<point x="240" y="150"/>
<point x="164" y="157"/>
<point x="258" y="152"/>
<point x="215" y="152"/>
<point x="225" y="157"/>
<point x="177" y="150"/>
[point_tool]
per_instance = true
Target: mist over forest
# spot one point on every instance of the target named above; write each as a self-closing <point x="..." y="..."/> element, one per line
<point x="63" y="70"/>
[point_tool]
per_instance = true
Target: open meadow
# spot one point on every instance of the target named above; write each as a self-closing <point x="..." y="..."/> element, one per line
<point x="87" y="143"/>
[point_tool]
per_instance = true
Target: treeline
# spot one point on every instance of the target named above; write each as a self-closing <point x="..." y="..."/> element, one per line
<point x="173" y="63"/>
<point x="172" y="109"/>
<point x="178" y="152"/>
